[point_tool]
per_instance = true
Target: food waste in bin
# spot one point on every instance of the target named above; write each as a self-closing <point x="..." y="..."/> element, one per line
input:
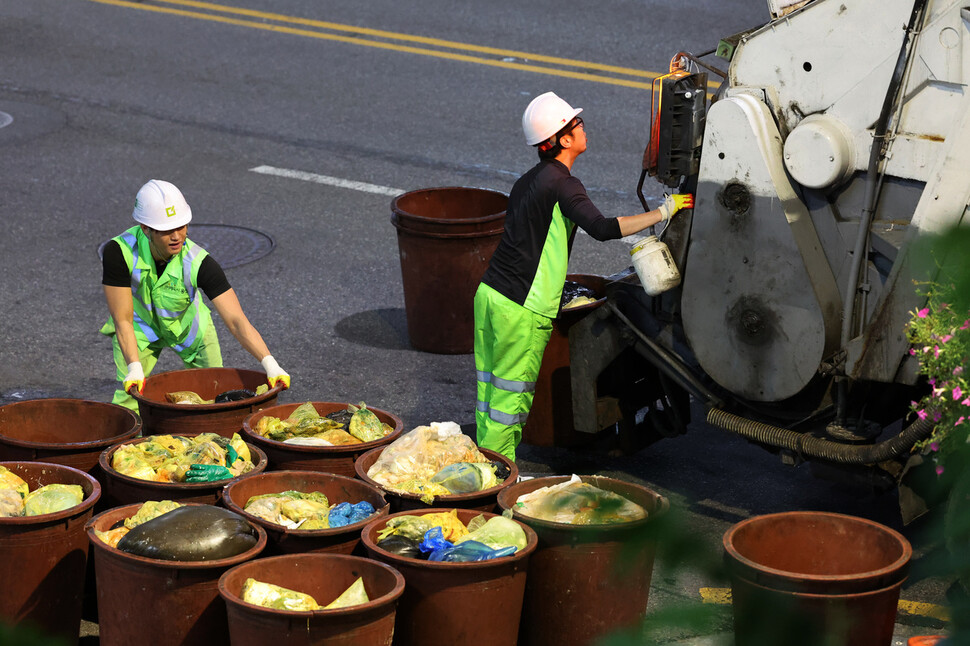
<point x="576" y="295"/>
<point x="352" y="425"/>
<point x="575" y="502"/>
<point x="172" y="532"/>
<point x="277" y="597"/>
<point x="436" y="460"/>
<point x="16" y="499"/>
<point x="441" y="536"/>
<point x="175" y="458"/>
<point x="306" y="510"/>
<point x="190" y="397"/>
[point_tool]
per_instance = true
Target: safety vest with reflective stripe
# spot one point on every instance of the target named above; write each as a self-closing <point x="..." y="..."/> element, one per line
<point x="167" y="308"/>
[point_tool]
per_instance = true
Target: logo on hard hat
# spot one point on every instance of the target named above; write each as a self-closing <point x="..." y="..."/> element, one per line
<point x="170" y="211"/>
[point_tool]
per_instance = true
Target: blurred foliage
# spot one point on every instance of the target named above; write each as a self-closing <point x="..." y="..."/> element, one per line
<point x="27" y="636"/>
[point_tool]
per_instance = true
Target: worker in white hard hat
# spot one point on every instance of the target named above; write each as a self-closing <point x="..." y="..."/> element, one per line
<point x="154" y="278"/>
<point x="520" y="291"/>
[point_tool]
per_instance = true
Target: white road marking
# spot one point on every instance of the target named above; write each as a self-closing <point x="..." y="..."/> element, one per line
<point x="329" y="181"/>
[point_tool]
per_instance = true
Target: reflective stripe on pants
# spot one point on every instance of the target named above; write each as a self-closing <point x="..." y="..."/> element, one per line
<point x="509" y="342"/>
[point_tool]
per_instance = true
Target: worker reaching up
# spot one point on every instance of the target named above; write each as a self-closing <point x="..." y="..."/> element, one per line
<point x="154" y="278"/>
<point x="520" y="291"/>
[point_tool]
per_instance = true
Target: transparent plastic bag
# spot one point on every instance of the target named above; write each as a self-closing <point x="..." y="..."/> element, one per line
<point x="355" y="595"/>
<point x="52" y="498"/>
<point x="575" y="502"/>
<point x="497" y="532"/>
<point x="422" y="452"/>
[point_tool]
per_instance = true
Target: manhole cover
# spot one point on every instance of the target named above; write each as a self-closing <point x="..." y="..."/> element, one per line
<point x="230" y="245"/>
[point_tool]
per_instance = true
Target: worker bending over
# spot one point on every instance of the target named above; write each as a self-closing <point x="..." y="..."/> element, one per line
<point x="520" y="291"/>
<point x="153" y="278"/>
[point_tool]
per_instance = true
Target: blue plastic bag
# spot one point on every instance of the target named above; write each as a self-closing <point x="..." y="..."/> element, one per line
<point x="468" y="551"/>
<point x="434" y="540"/>
<point x="344" y="513"/>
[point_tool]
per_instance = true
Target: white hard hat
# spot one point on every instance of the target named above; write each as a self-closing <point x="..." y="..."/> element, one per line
<point x="546" y="115"/>
<point x="161" y="206"/>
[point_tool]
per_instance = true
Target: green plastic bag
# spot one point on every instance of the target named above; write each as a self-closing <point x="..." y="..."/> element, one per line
<point x="496" y="532"/>
<point x="466" y="477"/>
<point x="355" y="595"/>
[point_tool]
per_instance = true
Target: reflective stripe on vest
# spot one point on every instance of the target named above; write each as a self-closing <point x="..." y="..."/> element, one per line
<point x="143" y="285"/>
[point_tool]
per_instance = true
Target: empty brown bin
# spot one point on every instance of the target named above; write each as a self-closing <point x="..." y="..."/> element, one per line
<point x="446" y="238"/>
<point x="72" y="432"/>
<point x="830" y="578"/>
<point x="324" y="577"/>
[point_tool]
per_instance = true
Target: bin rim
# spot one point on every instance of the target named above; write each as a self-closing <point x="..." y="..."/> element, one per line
<point x="390" y="597"/>
<point x="531" y="537"/>
<point x="249" y="433"/>
<point x="81" y="508"/>
<point x="207" y="408"/>
<point x="97" y="543"/>
<point x="746" y="567"/>
<point x="395" y="210"/>
<point x="484" y="493"/>
<point x="505" y="502"/>
<point x="89" y="444"/>
<point x="104" y="461"/>
<point x="272" y="527"/>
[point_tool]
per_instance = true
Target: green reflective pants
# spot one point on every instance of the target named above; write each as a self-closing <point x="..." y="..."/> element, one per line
<point x="509" y="342"/>
<point x="208" y="356"/>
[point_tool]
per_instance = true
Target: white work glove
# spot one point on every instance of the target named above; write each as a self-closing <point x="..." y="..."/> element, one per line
<point x="135" y="377"/>
<point x="674" y="203"/>
<point x="274" y="374"/>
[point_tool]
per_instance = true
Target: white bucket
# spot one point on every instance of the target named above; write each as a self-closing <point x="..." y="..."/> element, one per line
<point x="655" y="266"/>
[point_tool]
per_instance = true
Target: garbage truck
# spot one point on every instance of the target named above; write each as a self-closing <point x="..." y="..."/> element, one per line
<point x="838" y="137"/>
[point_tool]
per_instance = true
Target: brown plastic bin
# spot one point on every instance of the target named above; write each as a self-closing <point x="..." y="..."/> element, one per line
<point x="586" y="581"/>
<point x="120" y="489"/>
<point x="339" y="540"/>
<point x="329" y="459"/>
<point x="832" y="578"/>
<point x="324" y="577"/>
<point x="43" y="558"/>
<point x="72" y="432"/>
<point x="484" y="500"/>
<point x="152" y="601"/>
<point x="446" y="238"/>
<point x="456" y="603"/>
<point x="161" y="417"/>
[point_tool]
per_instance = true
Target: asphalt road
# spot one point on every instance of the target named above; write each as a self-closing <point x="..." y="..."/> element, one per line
<point x="351" y="103"/>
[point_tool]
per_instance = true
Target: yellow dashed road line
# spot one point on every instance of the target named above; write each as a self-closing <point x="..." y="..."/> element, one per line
<point x="365" y="37"/>
<point x="722" y="596"/>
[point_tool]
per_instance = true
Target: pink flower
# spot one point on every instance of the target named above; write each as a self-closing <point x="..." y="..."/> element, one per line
<point x="945" y="338"/>
<point x="936" y="351"/>
<point x="958" y="370"/>
<point x="921" y="413"/>
<point x="936" y="416"/>
<point x="923" y="312"/>
<point x="959" y="421"/>
<point x="912" y="352"/>
<point x="939" y="469"/>
<point x="966" y="324"/>
<point x="933" y="382"/>
<point x="966" y="402"/>
<point x="934" y="446"/>
<point x="957" y="393"/>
